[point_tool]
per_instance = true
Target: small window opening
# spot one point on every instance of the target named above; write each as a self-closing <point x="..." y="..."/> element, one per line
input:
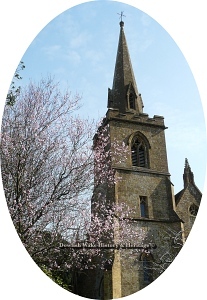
<point x="131" y="101"/>
<point x="143" y="207"/>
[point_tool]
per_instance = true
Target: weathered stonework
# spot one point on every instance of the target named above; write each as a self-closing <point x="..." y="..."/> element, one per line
<point x="158" y="218"/>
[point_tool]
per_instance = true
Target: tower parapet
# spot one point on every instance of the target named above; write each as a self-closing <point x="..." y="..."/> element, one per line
<point x="132" y="117"/>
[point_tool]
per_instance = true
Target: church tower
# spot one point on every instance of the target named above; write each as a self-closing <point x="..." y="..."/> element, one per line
<point x="142" y="183"/>
<point x="145" y="185"/>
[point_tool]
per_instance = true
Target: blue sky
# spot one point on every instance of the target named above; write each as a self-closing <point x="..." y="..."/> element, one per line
<point x="79" y="47"/>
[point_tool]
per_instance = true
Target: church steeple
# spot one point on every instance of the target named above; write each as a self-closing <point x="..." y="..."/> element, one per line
<point x="124" y="94"/>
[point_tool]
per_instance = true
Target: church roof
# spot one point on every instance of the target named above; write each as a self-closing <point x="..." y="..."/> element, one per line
<point x="124" y="81"/>
<point x="178" y="196"/>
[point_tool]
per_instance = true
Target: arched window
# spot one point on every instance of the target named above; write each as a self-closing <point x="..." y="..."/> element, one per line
<point x="193" y="210"/>
<point x="138" y="153"/>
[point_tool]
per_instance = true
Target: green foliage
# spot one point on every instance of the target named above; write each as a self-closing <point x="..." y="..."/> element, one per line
<point x="14" y="90"/>
<point x="63" y="279"/>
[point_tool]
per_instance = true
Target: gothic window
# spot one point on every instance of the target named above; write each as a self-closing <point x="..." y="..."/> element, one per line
<point x="143" y="207"/>
<point x="193" y="210"/>
<point x="131" y="101"/>
<point x="138" y="153"/>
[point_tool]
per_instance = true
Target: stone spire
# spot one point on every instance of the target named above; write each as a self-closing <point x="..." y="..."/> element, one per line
<point x="124" y="94"/>
<point x="188" y="176"/>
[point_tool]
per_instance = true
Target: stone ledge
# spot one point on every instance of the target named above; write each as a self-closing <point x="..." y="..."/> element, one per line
<point x="155" y="220"/>
<point x="141" y="170"/>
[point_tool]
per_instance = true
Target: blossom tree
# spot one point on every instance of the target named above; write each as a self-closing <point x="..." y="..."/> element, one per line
<point x="56" y="174"/>
<point x="46" y="162"/>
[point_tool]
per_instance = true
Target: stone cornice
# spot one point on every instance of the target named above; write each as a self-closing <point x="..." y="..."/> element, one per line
<point x="140" y="170"/>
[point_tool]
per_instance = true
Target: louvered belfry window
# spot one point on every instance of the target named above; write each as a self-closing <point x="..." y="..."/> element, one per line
<point x="138" y="154"/>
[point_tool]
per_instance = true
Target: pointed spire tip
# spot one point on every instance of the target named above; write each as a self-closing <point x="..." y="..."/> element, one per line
<point x="186" y="163"/>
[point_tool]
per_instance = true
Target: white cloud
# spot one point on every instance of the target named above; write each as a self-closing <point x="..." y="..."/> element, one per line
<point x="73" y="56"/>
<point x="51" y="51"/>
<point x="80" y="40"/>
